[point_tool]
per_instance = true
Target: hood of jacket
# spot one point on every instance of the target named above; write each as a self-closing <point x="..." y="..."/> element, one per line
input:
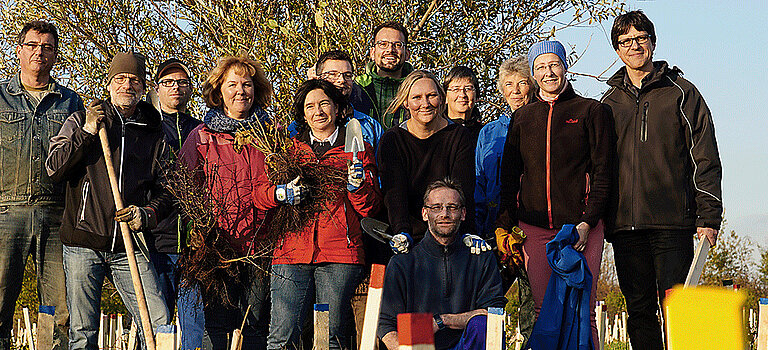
<point x="660" y="70"/>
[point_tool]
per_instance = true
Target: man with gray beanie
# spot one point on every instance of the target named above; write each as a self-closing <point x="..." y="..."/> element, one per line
<point x="93" y="247"/>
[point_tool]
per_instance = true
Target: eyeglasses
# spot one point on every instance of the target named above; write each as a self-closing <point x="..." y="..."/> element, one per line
<point x="32" y="47"/>
<point x="552" y="66"/>
<point x="333" y="75"/>
<point x="438" y="208"/>
<point x="121" y="79"/>
<point x="171" y="82"/>
<point x="467" y="89"/>
<point x="641" y="40"/>
<point x="384" y="44"/>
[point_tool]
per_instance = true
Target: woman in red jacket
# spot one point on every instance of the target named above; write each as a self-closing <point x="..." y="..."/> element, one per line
<point x="556" y="170"/>
<point x="323" y="263"/>
<point x="236" y="92"/>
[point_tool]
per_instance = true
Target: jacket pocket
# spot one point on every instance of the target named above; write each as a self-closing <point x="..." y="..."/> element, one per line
<point x="14" y="157"/>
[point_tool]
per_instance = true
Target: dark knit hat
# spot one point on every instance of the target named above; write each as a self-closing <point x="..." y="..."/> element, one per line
<point x="548" y="46"/>
<point x="128" y="62"/>
<point x="171" y="63"/>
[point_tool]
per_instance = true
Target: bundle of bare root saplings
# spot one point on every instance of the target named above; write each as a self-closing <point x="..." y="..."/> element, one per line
<point x="209" y="262"/>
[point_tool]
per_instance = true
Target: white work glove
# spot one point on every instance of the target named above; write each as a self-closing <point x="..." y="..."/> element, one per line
<point x="476" y="244"/>
<point x="291" y="193"/>
<point x="400" y="243"/>
<point x="138" y="218"/>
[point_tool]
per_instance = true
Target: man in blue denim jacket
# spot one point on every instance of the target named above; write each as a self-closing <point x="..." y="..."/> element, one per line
<point x="33" y="106"/>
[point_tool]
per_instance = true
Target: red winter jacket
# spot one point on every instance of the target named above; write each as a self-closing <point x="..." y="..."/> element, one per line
<point x="230" y="177"/>
<point x="333" y="236"/>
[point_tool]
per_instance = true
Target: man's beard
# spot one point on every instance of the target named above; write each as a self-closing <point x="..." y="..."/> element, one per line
<point x="444" y="233"/>
<point x="126" y="101"/>
<point x="397" y="67"/>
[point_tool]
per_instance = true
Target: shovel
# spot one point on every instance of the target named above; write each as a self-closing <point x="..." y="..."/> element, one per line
<point x="353" y="142"/>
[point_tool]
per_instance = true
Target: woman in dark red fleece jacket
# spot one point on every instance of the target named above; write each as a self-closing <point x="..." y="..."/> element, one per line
<point x="556" y="169"/>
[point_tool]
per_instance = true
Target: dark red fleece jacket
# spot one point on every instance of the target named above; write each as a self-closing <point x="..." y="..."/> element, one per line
<point x="557" y="163"/>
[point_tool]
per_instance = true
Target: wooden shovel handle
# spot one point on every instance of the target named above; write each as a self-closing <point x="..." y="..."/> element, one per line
<point x="146" y="325"/>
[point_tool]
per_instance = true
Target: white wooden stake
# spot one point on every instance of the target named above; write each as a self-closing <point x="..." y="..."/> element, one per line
<point x="624" y="326"/>
<point x="46" y="324"/>
<point x="414" y="332"/>
<point x="372" y="308"/>
<point x="132" y="334"/>
<point x="322" y="335"/>
<point x="600" y="320"/>
<point x="28" y="330"/>
<point x="702" y="249"/>
<point x="762" y="325"/>
<point x="237" y="334"/>
<point x="494" y="334"/>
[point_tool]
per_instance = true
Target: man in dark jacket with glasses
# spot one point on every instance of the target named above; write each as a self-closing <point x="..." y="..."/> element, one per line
<point x="669" y="175"/>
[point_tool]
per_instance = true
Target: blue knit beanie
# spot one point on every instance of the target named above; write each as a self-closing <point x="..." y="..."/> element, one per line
<point x="547" y="46"/>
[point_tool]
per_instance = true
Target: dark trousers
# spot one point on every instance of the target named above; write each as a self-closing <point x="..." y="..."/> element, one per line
<point x="648" y="262"/>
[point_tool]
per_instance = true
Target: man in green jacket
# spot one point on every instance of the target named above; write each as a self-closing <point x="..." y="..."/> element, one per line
<point x="375" y="89"/>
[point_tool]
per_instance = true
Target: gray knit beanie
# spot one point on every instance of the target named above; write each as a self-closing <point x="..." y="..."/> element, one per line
<point x="127" y="62"/>
<point x="548" y="46"/>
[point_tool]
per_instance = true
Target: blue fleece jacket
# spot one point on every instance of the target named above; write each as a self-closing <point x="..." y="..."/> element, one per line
<point x="490" y="148"/>
<point x="564" y="319"/>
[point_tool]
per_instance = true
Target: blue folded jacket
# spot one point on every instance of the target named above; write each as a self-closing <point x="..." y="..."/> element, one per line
<point x="563" y="322"/>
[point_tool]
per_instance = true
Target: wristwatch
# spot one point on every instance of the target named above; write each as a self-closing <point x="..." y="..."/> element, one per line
<point x="439" y="322"/>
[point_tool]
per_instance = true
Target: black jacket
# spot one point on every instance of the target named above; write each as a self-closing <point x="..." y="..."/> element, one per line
<point x="557" y="163"/>
<point x="669" y="168"/>
<point x="439" y="279"/>
<point x="169" y="236"/>
<point x="407" y="165"/>
<point x="75" y="157"/>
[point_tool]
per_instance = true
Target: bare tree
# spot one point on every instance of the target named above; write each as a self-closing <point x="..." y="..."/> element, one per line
<point x="289" y="35"/>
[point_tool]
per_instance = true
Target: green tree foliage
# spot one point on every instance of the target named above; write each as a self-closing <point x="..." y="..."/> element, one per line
<point x="287" y="36"/>
<point x="733" y="259"/>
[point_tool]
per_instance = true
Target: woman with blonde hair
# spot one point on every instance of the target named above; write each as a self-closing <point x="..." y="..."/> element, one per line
<point x="236" y="92"/>
<point x="424" y="148"/>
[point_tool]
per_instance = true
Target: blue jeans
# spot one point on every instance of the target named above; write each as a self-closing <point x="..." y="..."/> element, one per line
<point x="26" y="230"/>
<point x="221" y="320"/>
<point x="85" y="269"/>
<point x="296" y="287"/>
<point x="190" y="303"/>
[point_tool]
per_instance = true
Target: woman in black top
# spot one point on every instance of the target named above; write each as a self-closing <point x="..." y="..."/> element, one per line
<point x="424" y="148"/>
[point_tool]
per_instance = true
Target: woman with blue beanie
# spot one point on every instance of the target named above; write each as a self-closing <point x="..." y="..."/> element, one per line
<point x="556" y="170"/>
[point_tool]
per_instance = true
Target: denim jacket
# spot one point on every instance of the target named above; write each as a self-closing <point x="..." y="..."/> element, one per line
<point x="25" y="129"/>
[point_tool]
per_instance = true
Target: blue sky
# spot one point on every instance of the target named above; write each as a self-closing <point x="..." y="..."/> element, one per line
<point x="721" y="48"/>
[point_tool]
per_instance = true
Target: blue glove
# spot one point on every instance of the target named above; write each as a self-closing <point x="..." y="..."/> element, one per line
<point x="355" y="175"/>
<point x="400" y="243"/>
<point x="476" y="244"/>
<point x="291" y="193"/>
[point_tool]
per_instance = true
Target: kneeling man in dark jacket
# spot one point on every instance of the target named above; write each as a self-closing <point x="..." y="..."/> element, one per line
<point x="93" y="247"/>
<point x="440" y="276"/>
